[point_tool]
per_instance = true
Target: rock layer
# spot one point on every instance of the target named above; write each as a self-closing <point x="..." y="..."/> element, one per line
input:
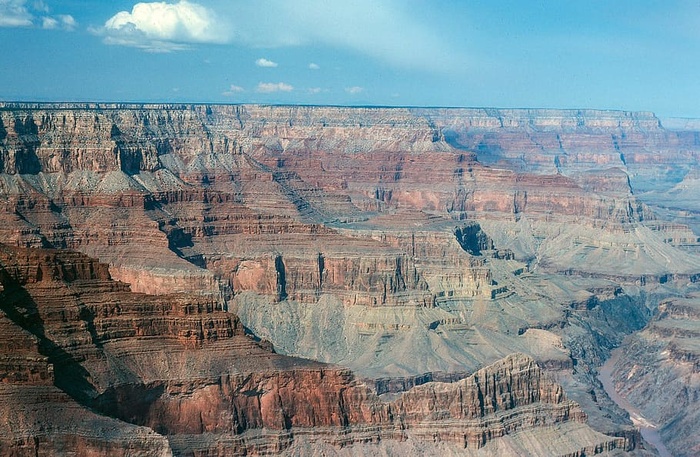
<point x="397" y="242"/>
<point x="659" y="373"/>
<point x="179" y="366"/>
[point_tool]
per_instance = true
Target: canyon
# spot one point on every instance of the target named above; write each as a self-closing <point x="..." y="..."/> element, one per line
<point x="252" y="280"/>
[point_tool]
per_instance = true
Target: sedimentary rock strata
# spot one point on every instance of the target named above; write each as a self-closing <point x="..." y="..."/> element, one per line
<point x="76" y="343"/>
<point x="405" y="244"/>
<point x="659" y="373"/>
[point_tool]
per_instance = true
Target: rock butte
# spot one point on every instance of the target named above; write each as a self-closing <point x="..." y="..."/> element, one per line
<point x="433" y="281"/>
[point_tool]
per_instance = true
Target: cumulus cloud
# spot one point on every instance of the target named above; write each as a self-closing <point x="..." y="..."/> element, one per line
<point x="387" y="30"/>
<point x="354" y="90"/>
<point x="274" y="87"/>
<point x="265" y="63"/>
<point x="14" y="13"/>
<point x="164" y="27"/>
<point x="313" y="66"/>
<point x="49" y="23"/>
<point x="233" y="90"/>
<point x="67" y="21"/>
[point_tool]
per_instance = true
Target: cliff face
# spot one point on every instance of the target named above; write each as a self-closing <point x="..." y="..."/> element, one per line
<point x="172" y="179"/>
<point x="402" y="243"/>
<point x="659" y="373"/>
<point x="39" y="418"/>
<point x="74" y="339"/>
<point x="568" y="141"/>
<point x="610" y="153"/>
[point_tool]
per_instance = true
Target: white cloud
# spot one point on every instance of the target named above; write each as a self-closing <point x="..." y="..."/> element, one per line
<point x="388" y="30"/>
<point x="163" y="27"/>
<point x="391" y="31"/>
<point x="63" y="21"/>
<point x="313" y="66"/>
<point x="274" y="87"/>
<point x="354" y="90"/>
<point x="316" y="90"/>
<point x="233" y="90"/>
<point x="49" y="23"/>
<point x="265" y="63"/>
<point x="13" y="13"/>
<point x="67" y="21"/>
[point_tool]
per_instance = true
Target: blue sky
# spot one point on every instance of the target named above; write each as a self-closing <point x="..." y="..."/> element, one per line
<point x="608" y="54"/>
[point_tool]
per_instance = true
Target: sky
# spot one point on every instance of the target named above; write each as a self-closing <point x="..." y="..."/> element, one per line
<point x="635" y="55"/>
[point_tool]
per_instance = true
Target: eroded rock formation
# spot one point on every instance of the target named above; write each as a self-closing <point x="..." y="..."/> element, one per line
<point x="401" y="243"/>
<point x="182" y="367"/>
<point x="659" y="372"/>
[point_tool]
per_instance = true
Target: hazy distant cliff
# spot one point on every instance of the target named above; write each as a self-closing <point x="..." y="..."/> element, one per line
<point x="131" y="137"/>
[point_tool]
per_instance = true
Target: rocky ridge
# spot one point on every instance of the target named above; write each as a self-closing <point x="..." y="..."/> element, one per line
<point x="80" y="342"/>
<point x="397" y="242"/>
<point x="660" y="372"/>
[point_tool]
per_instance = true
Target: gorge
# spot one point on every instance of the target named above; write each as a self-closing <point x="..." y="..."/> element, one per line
<point x="248" y="280"/>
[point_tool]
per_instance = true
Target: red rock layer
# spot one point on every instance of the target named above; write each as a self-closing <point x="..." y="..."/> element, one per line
<point x="184" y="368"/>
<point x="205" y="198"/>
<point x="308" y="205"/>
<point x="389" y="155"/>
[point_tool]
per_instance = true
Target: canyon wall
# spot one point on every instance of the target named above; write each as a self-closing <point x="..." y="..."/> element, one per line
<point x="401" y="243"/>
<point x="166" y="177"/>
<point x="80" y="348"/>
<point x="660" y="373"/>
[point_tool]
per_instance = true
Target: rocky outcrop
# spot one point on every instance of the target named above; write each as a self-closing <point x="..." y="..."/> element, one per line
<point x="659" y="373"/>
<point x="38" y="418"/>
<point x="182" y="367"/>
<point x="385" y="148"/>
<point x="550" y="141"/>
<point x="170" y="176"/>
<point x="394" y="241"/>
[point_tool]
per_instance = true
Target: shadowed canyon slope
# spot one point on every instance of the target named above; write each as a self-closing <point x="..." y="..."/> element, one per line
<point x="410" y="245"/>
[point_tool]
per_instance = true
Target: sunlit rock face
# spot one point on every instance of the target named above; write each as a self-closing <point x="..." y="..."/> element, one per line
<point x="409" y="245"/>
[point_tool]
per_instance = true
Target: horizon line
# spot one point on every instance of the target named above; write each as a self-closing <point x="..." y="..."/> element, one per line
<point x="4" y="104"/>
